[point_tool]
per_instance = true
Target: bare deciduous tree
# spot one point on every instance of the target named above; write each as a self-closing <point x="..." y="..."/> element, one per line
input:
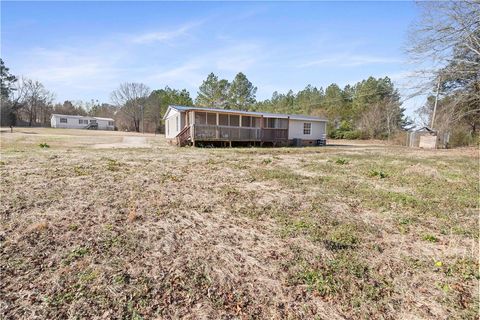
<point x="33" y="101"/>
<point x="130" y="97"/>
<point x="445" y="44"/>
<point x="442" y="27"/>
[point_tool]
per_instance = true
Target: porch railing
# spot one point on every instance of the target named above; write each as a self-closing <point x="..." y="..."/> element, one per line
<point x="183" y="136"/>
<point x="271" y="134"/>
<point x="212" y="132"/>
<point x="228" y="133"/>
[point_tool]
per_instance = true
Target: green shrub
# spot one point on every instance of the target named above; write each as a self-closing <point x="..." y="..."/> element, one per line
<point x="461" y="137"/>
<point x="352" y="135"/>
<point x="44" y="145"/>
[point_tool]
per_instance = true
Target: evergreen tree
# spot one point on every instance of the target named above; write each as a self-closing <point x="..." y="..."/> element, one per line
<point x="7" y="81"/>
<point x="8" y="110"/>
<point x="213" y="92"/>
<point x="242" y="92"/>
<point x="159" y="100"/>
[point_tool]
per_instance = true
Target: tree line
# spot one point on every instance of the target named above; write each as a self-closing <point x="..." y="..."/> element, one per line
<point x="368" y="109"/>
<point x="371" y="108"/>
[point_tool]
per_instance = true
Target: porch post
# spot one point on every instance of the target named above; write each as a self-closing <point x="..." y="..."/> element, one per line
<point x="192" y="128"/>
<point x="217" y="129"/>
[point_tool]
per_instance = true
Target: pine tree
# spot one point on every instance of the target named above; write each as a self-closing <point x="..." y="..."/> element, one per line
<point x="213" y="92"/>
<point x="242" y="92"/>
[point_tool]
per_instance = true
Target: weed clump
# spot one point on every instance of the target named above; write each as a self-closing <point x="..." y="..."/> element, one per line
<point x="267" y="161"/>
<point x="79" y="171"/>
<point x="430" y="238"/>
<point x="44" y="145"/>
<point x="344" y="235"/>
<point x="113" y="165"/>
<point x="75" y="254"/>
<point x="342" y="161"/>
<point x="377" y="173"/>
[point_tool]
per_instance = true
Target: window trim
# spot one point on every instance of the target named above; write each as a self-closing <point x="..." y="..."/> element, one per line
<point x="307" y="126"/>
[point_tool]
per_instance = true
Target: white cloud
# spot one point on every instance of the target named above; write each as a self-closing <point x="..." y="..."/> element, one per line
<point x="95" y="67"/>
<point x="350" y="60"/>
<point x="162" y="36"/>
<point x="73" y="66"/>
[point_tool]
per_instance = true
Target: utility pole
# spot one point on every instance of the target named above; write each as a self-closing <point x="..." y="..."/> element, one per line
<point x="435" y="105"/>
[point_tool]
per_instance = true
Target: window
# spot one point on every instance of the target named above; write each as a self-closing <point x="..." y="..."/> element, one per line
<point x="212" y="118"/>
<point x="307" y="128"/>
<point x="256" y="122"/>
<point x="63" y="120"/>
<point x="234" y="121"/>
<point x="110" y="123"/>
<point x="93" y="121"/>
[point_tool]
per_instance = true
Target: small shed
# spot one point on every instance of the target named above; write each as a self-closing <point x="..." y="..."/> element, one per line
<point x="427" y="138"/>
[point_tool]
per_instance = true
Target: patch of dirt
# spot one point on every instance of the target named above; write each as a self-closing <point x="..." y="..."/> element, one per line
<point x="127" y="142"/>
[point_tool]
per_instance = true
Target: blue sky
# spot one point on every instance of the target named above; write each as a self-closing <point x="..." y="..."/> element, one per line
<point x="83" y="51"/>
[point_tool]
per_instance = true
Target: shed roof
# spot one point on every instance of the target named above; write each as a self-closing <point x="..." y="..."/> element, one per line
<point x="425" y="129"/>
<point x="251" y="113"/>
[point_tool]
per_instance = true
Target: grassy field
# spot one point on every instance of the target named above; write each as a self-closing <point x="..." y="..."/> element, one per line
<point x="94" y="227"/>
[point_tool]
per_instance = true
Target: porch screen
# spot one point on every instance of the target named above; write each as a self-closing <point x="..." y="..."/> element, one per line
<point x="212" y="118"/>
<point x="246" y="121"/>
<point x="200" y="118"/>
<point x="223" y="119"/>
<point x="234" y="120"/>
<point x="276" y="123"/>
<point x="282" y="123"/>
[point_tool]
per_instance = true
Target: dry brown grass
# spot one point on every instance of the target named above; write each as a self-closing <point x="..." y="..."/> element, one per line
<point x="165" y="232"/>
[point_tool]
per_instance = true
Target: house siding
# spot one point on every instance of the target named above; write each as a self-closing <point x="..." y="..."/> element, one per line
<point x="295" y="130"/>
<point x="174" y="123"/>
<point x="73" y="122"/>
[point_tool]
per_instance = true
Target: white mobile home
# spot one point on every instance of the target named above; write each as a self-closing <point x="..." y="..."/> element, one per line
<point x="190" y="125"/>
<point x="81" y="122"/>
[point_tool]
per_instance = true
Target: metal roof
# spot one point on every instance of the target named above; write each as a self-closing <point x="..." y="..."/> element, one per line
<point x="252" y="113"/>
<point x="78" y="116"/>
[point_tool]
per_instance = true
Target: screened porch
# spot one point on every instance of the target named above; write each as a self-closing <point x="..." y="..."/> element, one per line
<point x="218" y="126"/>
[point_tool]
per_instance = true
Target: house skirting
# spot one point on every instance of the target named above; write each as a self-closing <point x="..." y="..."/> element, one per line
<point x="277" y="143"/>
